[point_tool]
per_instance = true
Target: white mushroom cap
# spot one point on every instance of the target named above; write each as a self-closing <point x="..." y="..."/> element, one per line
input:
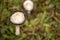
<point x="17" y="18"/>
<point x="28" y="5"/>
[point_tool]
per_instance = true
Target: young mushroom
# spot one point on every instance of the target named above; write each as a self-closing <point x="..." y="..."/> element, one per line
<point x="17" y="18"/>
<point x="28" y="5"/>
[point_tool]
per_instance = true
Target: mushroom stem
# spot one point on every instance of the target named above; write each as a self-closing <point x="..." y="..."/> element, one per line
<point x="17" y="32"/>
<point x="29" y="12"/>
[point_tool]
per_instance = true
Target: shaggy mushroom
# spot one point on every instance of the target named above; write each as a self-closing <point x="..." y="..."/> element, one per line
<point x="17" y="18"/>
<point x="28" y="5"/>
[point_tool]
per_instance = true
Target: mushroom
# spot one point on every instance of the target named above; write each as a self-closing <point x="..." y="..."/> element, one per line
<point x="28" y="5"/>
<point x="17" y="18"/>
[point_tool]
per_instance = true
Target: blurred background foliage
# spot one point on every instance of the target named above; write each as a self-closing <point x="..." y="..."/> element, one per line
<point x="42" y="24"/>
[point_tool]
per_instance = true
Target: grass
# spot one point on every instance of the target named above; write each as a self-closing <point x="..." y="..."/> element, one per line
<point x="42" y="24"/>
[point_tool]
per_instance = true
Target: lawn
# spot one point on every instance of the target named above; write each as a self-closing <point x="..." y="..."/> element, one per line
<point x="42" y="24"/>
